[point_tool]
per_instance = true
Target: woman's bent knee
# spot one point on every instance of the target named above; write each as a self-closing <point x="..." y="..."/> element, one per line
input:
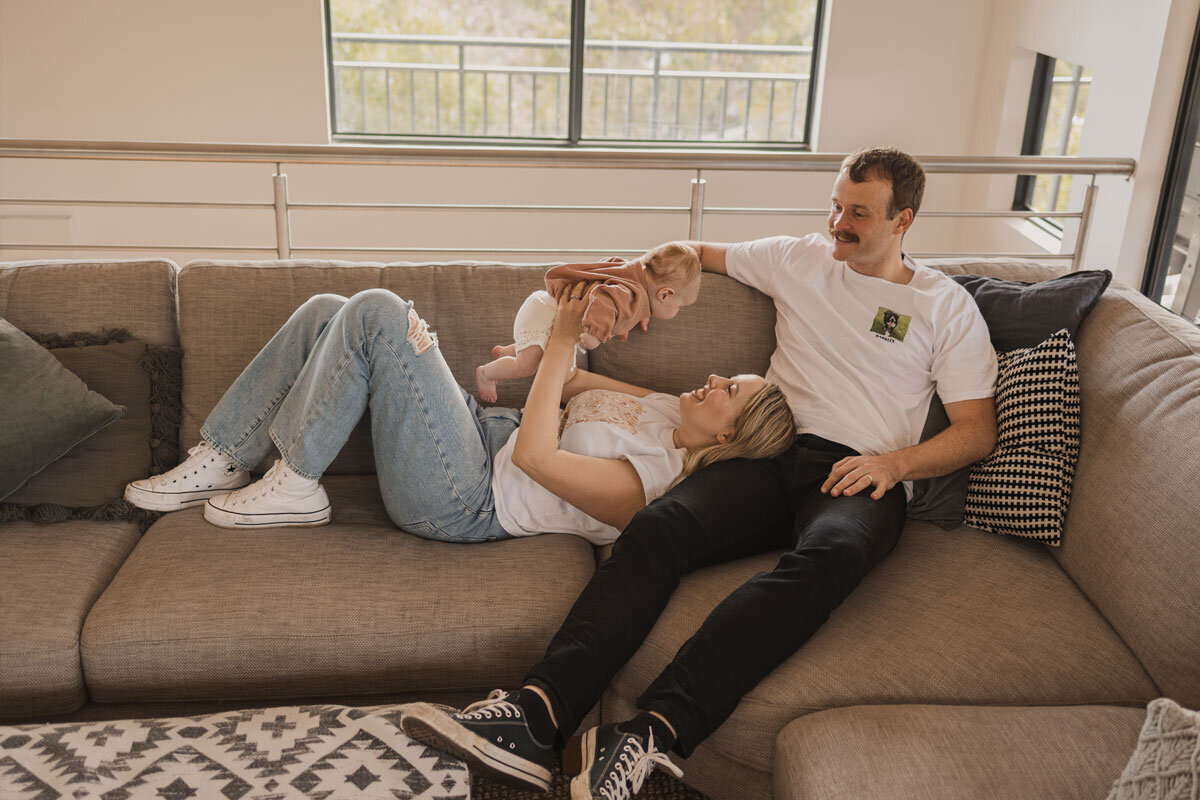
<point x="381" y="310"/>
<point x="322" y="306"/>
<point x="373" y="301"/>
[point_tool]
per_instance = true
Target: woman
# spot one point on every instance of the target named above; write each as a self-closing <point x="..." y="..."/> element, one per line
<point x="449" y="469"/>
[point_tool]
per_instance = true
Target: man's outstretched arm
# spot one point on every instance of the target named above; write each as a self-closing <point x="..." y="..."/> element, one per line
<point x="712" y="256"/>
<point x="970" y="437"/>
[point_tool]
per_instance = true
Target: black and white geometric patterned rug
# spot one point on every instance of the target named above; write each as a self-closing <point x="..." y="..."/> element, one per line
<point x="320" y="752"/>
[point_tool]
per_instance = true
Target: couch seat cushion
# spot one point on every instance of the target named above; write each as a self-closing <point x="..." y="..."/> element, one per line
<point x="49" y="577"/>
<point x="356" y="607"/>
<point x="949" y="617"/>
<point x="930" y="752"/>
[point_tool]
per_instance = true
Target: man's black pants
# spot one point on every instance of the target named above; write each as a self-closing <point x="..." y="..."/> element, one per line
<point x="726" y="511"/>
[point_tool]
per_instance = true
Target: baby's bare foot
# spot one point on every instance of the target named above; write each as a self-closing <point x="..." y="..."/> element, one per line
<point x="485" y="386"/>
<point x="504" y="350"/>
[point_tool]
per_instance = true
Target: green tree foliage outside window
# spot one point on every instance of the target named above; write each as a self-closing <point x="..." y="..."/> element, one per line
<point x="676" y="70"/>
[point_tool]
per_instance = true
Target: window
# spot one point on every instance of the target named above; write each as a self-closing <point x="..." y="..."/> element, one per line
<point x="1170" y="277"/>
<point x="1057" y="104"/>
<point x="669" y="72"/>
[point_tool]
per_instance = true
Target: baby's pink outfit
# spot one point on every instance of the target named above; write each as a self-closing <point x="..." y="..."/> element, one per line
<point x="621" y="301"/>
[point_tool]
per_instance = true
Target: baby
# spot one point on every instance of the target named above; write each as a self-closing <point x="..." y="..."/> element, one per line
<point x="656" y="284"/>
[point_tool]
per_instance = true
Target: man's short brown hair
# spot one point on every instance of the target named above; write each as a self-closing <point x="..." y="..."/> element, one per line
<point x="892" y="165"/>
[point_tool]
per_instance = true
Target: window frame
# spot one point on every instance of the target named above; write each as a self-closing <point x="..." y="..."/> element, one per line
<point x="1035" y="127"/>
<point x="1179" y="162"/>
<point x="574" y="138"/>
<point x="1036" y="116"/>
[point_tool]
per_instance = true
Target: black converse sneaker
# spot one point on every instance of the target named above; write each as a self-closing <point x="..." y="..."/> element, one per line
<point x="492" y="736"/>
<point x="204" y="473"/>
<point x="616" y="760"/>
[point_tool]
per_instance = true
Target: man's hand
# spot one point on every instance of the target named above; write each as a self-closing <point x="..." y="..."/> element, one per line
<point x="855" y="474"/>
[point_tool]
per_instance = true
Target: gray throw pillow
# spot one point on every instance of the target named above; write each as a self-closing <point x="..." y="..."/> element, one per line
<point x="45" y="410"/>
<point x="97" y="470"/>
<point x="1018" y="315"/>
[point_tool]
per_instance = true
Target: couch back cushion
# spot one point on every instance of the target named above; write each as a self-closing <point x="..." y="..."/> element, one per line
<point x="1132" y="536"/>
<point x="67" y="296"/>
<point x="229" y="309"/>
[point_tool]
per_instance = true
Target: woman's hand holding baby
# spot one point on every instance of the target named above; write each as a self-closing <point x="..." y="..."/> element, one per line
<point x="568" y="323"/>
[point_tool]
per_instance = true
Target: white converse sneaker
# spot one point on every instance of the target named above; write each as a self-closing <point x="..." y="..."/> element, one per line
<point x="281" y="499"/>
<point x="204" y="474"/>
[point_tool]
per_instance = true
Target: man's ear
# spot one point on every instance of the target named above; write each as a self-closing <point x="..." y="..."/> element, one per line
<point x="904" y="220"/>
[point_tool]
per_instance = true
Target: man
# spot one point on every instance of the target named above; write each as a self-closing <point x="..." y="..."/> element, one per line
<point x="853" y="314"/>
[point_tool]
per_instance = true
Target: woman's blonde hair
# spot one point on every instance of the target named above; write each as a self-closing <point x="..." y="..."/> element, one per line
<point x="764" y="429"/>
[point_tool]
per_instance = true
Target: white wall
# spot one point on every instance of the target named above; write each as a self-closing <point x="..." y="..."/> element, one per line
<point x="163" y="70"/>
<point x="931" y="76"/>
<point x="1137" y="51"/>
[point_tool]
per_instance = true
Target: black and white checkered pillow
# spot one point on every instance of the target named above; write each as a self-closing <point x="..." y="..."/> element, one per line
<point x="1024" y="487"/>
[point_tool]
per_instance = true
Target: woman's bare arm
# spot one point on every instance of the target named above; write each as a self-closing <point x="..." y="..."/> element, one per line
<point x="583" y="380"/>
<point x="606" y="489"/>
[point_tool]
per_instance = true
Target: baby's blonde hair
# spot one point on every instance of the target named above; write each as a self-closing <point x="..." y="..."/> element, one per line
<point x="764" y="429"/>
<point x="672" y="264"/>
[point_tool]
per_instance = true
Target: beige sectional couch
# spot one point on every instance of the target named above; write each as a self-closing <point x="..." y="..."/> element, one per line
<point x="967" y="664"/>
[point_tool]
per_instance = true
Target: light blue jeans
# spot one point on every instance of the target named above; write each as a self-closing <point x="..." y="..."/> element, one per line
<point x="308" y="387"/>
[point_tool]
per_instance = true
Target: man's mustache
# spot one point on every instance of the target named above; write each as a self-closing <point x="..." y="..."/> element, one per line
<point x="843" y="237"/>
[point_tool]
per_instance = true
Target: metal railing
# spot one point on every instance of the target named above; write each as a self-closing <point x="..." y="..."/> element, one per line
<point x="645" y="102"/>
<point x="690" y="163"/>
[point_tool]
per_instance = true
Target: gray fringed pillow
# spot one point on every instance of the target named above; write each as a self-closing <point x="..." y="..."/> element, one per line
<point x="88" y="482"/>
<point x="46" y="409"/>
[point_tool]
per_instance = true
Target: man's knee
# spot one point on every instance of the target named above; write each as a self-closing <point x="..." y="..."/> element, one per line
<point x="839" y="553"/>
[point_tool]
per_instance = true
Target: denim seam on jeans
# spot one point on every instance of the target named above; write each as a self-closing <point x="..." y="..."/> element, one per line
<point x="288" y="461"/>
<point x="230" y="452"/>
<point x="419" y="397"/>
<point x="322" y="401"/>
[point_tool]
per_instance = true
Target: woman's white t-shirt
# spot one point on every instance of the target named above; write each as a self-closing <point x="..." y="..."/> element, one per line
<point x="603" y="424"/>
<point x="859" y="357"/>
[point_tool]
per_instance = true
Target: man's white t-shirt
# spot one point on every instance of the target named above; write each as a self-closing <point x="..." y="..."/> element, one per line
<point x="599" y="423"/>
<point x="858" y="357"/>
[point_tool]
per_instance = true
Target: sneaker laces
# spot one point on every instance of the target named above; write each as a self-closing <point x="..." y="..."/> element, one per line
<point x="201" y="450"/>
<point x="632" y="767"/>
<point x="496" y="705"/>
<point x="260" y="488"/>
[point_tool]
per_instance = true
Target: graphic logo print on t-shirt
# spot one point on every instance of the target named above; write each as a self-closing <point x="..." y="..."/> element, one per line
<point x="890" y="325"/>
